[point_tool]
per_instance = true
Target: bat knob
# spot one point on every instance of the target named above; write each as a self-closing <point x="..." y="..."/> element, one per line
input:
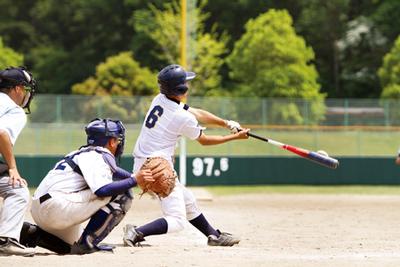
<point x="323" y="153"/>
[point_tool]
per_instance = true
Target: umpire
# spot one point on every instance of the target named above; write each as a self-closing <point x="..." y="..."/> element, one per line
<point x="17" y="87"/>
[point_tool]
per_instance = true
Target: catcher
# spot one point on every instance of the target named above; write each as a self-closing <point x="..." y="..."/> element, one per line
<point x="168" y="119"/>
<point x="85" y="184"/>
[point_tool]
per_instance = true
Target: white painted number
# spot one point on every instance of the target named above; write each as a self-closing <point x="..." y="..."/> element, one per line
<point x="198" y="167"/>
<point x="207" y="164"/>
<point x="210" y="163"/>
<point x="224" y="164"/>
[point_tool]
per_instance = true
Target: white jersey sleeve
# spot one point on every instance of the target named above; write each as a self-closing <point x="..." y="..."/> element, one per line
<point x="95" y="170"/>
<point x="12" y="117"/>
<point x="191" y="128"/>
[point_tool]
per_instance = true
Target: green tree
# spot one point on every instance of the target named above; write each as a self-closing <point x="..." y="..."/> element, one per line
<point x="9" y="57"/>
<point x="63" y="40"/>
<point x="389" y="73"/>
<point x="119" y="75"/>
<point x="16" y="25"/>
<point x="205" y="58"/>
<point x="270" y="60"/>
<point x="323" y="25"/>
<point x="349" y="40"/>
<point x="386" y="17"/>
<point x="54" y="66"/>
<point x="360" y="53"/>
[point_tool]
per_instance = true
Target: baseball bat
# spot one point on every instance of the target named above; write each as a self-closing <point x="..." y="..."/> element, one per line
<point x="311" y="155"/>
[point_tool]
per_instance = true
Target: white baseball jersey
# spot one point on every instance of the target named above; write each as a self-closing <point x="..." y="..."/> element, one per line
<point x="96" y="174"/>
<point x="12" y="117"/>
<point x="166" y="121"/>
<point x="12" y="121"/>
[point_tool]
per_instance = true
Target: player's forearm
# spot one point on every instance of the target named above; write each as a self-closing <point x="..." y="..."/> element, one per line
<point x="120" y="173"/>
<point x="215" y="139"/>
<point x="6" y="150"/>
<point x="206" y="117"/>
<point x="116" y="188"/>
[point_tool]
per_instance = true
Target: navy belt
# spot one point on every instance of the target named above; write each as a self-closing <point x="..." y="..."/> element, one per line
<point x="44" y="198"/>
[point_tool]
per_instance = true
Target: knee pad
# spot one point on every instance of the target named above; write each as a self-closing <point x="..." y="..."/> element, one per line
<point x="104" y="221"/>
<point x="125" y="201"/>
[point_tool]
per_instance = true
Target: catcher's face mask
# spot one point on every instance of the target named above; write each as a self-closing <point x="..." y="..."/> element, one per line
<point x="12" y="77"/>
<point x="115" y="128"/>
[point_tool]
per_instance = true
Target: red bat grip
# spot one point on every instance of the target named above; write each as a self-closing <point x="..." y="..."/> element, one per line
<point x="299" y="151"/>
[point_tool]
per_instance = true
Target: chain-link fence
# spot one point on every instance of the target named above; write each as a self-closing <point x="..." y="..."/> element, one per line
<point x="340" y="126"/>
<point x="254" y="111"/>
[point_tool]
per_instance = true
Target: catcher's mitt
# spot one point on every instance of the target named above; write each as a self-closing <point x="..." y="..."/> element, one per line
<point x="163" y="185"/>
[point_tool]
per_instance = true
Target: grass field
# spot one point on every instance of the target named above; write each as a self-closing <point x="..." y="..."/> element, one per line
<point x="299" y="189"/>
<point x="44" y="139"/>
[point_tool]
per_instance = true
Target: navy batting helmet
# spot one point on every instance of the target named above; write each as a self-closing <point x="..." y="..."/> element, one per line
<point x="172" y="80"/>
<point x="12" y="76"/>
<point x="99" y="131"/>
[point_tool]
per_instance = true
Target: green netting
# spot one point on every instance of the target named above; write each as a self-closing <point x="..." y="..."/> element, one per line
<point x="262" y="111"/>
<point x="57" y="122"/>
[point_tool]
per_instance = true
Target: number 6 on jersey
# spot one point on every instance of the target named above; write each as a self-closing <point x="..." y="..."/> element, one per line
<point x="154" y="114"/>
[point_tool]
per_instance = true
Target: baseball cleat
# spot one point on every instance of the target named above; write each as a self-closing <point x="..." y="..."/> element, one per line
<point x="132" y="237"/>
<point x="224" y="240"/>
<point x="81" y="249"/>
<point x="10" y="246"/>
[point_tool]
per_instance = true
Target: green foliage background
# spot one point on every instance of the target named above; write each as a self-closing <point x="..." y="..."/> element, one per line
<point x="63" y="42"/>
<point x="9" y="57"/>
<point x="270" y="60"/>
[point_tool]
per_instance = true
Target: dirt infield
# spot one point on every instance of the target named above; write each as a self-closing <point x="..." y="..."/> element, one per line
<point x="276" y="230"/>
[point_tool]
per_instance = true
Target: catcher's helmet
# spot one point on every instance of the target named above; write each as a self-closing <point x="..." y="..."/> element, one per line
<point x="12" y="76"/>
<point x="172" y="80"/>
<point x="99" y="131"/>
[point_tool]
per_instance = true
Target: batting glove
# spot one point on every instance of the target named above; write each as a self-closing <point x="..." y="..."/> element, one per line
<point x="233" y="126"/>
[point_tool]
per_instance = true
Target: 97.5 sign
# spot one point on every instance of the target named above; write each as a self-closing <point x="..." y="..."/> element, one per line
<point x="209" y="166"/>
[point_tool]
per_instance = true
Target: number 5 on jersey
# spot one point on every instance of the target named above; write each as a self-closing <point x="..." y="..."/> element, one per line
<point x="154" y="115"/>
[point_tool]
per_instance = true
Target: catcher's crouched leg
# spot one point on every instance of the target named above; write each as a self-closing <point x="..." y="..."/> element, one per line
<point x="32" y="236"/>
<point x="101" y="224"/>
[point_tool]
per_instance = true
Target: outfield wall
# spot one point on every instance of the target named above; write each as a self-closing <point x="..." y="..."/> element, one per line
<point x="255" y="170"/>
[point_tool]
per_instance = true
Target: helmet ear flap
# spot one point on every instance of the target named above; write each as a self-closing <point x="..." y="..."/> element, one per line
<point x="181" y="89"/>
<point x="177" y="90"/>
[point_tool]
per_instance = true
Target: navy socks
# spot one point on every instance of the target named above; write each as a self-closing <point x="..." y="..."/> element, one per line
<point x="157" y="227"/>
<point x="160" y="226"/>
<point x="201" y="223"/>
